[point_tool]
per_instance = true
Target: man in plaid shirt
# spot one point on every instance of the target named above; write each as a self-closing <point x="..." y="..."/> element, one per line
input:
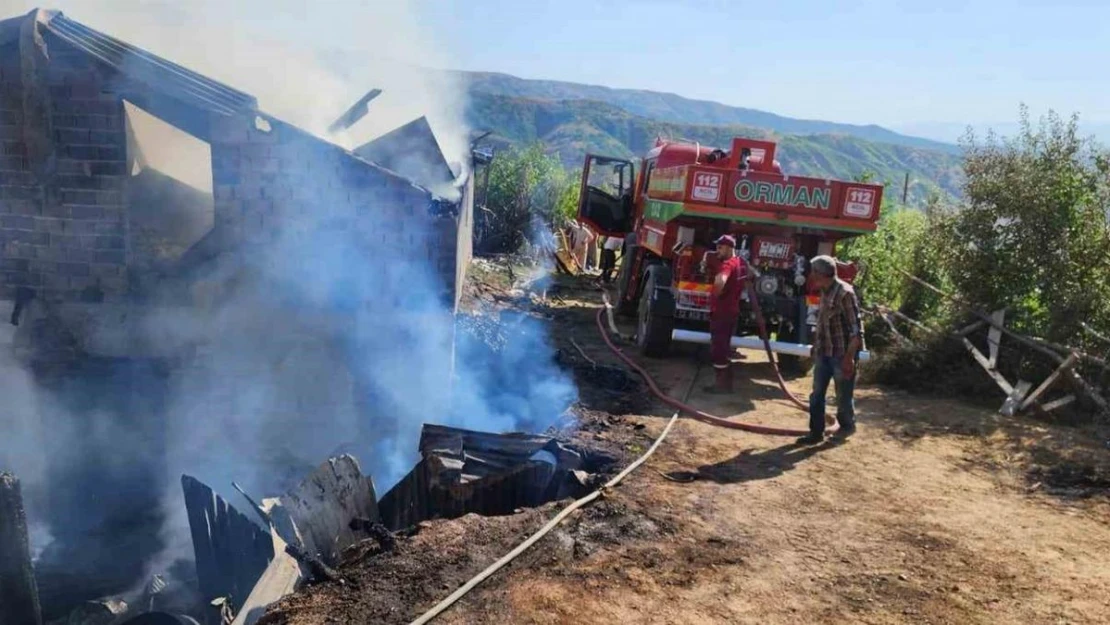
<point x="835" y="352"/>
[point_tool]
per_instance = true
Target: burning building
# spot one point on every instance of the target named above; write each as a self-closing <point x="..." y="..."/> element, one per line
<point x="136" y="287"/>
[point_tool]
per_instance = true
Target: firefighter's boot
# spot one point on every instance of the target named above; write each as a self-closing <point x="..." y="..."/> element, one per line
<point x="723" y="384"/>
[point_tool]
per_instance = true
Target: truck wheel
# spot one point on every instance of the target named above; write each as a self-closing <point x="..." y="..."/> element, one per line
<point x="624" y="279"/>
<point x="791" y="366"/>
<point x="656" y="313"/>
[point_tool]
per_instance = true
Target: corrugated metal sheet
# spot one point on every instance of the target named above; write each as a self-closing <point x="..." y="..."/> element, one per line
<point x="412" y="151"/>
<point x="231" y="552"/>
<point x="465" y="471"/>
<point x="421" y="496"/>
<point x="155" y="72"/>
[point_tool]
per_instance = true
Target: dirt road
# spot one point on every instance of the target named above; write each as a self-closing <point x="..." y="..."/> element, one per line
<point x="934" y="512"/>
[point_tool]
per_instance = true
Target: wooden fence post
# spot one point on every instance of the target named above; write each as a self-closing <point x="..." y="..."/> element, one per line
<point x="19" y="597"/>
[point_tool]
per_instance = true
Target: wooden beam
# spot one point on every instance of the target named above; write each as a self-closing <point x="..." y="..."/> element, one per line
<point x="1091" y="392"/>
<point x="1094" y="333"/>
<point x="910" y="320"/>
<point x="19" y="596"/>
<point x="884" y="314"/>
<point x="994" y="336"/>
<point x="1050" y="380"/>
<point x="1057" y="403"/>
<point x="278" y="580"/>
<point x="1046" y="349"/>
<point x="971" y="328"/>
<point x="991" y="371"/>
<point x="1010" y="406"/>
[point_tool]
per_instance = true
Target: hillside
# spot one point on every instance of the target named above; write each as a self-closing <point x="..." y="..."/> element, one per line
<point x="573" y="127"/>
<point x="669" y="107"/>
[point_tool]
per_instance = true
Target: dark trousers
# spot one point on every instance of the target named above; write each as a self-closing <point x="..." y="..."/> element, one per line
<point x="825" y="370"/>
<point x="608" y="263"/>
<point x="721" y="327"/>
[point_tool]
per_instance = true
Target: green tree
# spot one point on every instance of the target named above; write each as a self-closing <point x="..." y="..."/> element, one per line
<point x="528" y="188"/>
<point x="904" y="242"/>
<point x="1033" y="234"/>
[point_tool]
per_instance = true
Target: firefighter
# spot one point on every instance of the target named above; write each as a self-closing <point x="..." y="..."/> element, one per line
<point x="609" y="257"/>
<point x="724" y="311"/>
<point x="835" y="352"/>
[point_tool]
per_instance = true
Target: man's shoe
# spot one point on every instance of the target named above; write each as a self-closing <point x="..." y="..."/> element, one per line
<point x="845" y="432"/>
<point x="811" y="439"/>
<point x="723" y="382"/>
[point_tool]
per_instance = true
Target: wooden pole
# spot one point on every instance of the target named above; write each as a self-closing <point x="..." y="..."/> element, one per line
<point x="1044" y="347"/>
<point x="906" y="188"/>
<point x="1052" y="350"/>
<point x="19" y="596"/>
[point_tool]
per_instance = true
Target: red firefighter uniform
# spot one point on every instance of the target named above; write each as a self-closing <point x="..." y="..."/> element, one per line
<point x="724" y="311"/>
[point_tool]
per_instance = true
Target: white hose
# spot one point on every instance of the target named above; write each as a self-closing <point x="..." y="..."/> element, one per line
<point x="543" y="531"/>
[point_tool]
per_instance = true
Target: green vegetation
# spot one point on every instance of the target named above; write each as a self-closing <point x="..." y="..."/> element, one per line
<point x="1021" y="224"/>
<point x="528" y="189"/>
<point x="572" y="128"/>
<point x="674" y="109"/>
<point x="1031" y="236"/>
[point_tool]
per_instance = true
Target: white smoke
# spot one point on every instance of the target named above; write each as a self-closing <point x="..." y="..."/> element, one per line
<point x="318" y="344"/>
<point x="305" y="63"/>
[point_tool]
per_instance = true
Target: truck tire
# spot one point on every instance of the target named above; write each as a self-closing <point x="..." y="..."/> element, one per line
<point x="624" y="278"/>
<point x="655" y="319"/>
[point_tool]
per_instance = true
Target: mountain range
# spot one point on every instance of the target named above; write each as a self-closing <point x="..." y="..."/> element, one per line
<point x="571" y="119"/>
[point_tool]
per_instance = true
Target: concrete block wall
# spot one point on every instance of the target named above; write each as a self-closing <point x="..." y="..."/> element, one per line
<point x="64" y="198"/>
<point x="278" y="181"/>
<point x="63" y="218"/>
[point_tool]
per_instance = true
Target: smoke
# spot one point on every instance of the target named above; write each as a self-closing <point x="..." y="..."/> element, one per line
<point x="318" y="342"/>
<point x="306" y="63"/>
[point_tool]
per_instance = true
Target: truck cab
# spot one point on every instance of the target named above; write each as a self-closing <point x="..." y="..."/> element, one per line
<point x="684" y="195"/>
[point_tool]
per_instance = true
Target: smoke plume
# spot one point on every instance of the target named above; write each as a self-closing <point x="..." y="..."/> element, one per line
<point x="313" y="345"/>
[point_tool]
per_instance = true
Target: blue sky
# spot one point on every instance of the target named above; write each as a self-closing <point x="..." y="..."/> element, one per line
<point x="891" y="63"/>
<point x="929" y="67"/>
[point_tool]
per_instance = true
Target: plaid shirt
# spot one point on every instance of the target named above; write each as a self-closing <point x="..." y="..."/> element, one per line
<point x="838" y="320"/>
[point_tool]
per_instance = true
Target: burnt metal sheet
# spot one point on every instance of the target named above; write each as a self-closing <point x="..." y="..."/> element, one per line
<point x="354" y="114"/>
<point x="464" y="471"/>
<point x="155" y="72"/>
<point x="231" y="551"/>
<point x="485" y="453"/>
<point x="324" y="504"/>
<point x="421" y="496"/>
<point x="413" y="152"/>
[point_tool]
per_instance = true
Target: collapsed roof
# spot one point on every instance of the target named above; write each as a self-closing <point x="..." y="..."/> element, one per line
<point x="413" y="152"/>
<point x="166" y="86"/>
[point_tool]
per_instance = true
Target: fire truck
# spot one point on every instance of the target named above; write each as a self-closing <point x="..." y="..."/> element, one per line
<point x="681" y="197"/>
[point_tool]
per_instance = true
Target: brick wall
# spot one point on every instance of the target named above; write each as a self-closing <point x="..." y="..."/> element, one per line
<point x="63" y="227"/>
<point x="64" y="230"/>
<point x="20" y="199"/>
<point x="284" y="182"/>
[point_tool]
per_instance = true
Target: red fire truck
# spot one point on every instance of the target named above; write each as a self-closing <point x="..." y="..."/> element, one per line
<point x="682" y="197"/>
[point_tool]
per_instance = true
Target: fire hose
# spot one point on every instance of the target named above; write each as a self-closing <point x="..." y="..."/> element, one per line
<point x="680" y="408"/>
<point x="704" y="416"/>
<point x="442" y="606"/>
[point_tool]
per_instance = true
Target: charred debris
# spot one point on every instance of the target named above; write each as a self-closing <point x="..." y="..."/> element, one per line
<point x="92" y="229"/>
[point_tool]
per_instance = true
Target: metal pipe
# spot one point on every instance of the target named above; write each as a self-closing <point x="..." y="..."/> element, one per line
<point x="753" y="342"/>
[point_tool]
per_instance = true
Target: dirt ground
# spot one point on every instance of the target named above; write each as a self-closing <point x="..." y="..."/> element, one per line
<point x="935" y="512"/>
